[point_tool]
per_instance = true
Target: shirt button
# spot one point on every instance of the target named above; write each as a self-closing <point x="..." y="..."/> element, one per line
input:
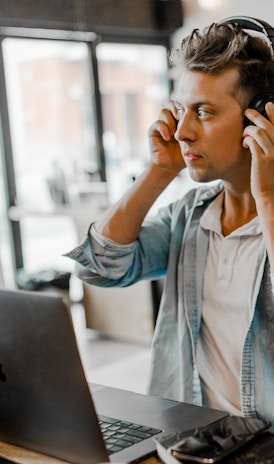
<point x="247" y="388"/>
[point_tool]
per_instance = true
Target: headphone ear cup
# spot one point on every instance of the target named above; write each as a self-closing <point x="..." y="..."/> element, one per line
<point x="258" y="103"/>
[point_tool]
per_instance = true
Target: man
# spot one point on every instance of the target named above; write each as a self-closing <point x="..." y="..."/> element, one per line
<point x="214" y="338"/>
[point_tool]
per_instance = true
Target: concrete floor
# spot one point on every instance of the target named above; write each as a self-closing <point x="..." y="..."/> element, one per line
<point x="109" y="361"/>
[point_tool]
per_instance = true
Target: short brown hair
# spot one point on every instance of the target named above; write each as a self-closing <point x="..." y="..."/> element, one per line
<point x="222" y="46"/>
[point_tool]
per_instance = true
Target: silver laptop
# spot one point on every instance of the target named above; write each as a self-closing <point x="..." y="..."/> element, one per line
<point x="47" y="405"/>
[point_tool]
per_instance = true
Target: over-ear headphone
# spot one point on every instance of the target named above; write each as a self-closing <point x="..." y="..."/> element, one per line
<point x="259" y="101"/>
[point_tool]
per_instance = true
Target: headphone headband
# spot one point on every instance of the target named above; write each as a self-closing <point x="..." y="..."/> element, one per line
<point x="253" y="24"/>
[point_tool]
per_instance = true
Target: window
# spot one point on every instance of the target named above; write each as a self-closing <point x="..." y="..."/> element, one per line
<point x="53" y="141"/>
<point x="134" y="86"/>
<point x="68" y="124"/>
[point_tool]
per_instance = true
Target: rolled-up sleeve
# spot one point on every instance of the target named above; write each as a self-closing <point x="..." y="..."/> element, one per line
<point x="101" y="261"/>
<point x="98" y="255"/>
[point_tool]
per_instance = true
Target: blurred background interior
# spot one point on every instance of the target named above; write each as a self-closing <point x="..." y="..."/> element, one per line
<point x="80" y="83"/>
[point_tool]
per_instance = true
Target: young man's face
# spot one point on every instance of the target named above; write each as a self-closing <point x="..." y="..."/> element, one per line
<point x="210" y="129"/>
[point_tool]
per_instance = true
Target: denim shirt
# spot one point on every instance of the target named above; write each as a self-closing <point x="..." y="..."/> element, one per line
<point x="173" y="245"/>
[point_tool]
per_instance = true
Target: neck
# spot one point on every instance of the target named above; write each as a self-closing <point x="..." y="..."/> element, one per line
<point x="238" y="209"/>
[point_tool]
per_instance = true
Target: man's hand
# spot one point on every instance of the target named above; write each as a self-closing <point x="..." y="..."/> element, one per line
<point x="165" y="150"/>
<point x="260" y="141"/>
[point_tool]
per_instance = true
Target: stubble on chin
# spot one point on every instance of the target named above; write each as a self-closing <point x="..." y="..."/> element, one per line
<point x="202" y="175"/>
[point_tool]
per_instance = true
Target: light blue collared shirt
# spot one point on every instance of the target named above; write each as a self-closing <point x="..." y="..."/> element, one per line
<point x="173" y="245"/>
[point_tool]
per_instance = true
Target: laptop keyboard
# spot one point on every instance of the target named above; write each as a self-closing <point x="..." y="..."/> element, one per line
<point x="119" y="434"/>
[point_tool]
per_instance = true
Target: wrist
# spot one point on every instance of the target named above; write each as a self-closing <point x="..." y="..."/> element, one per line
<point x="163" y="174"/>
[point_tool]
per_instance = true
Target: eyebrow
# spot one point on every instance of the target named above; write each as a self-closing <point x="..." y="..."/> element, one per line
<point x="196" y="104"/>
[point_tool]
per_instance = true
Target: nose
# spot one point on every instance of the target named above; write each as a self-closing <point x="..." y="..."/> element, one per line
<point x="185" y="128"/>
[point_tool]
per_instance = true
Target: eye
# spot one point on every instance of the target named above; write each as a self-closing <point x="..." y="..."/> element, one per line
<point x="180" y="113"/>
<point x="202" y="113"/>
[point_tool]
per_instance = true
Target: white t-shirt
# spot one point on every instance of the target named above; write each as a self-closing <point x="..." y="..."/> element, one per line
<point x="226" y="313"/>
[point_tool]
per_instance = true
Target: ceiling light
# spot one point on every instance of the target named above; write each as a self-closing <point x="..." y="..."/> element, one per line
<point x="209" y="4"/>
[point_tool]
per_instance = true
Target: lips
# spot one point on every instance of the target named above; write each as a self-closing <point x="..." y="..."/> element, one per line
<point x="191" y="156"/>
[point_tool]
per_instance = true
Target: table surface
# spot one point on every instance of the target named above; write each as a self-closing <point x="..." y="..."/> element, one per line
<point x="24" y="456"/>
<point x="260" y="451"/>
